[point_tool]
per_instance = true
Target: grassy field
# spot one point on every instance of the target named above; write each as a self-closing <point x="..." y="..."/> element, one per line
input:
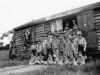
<point x="92" y="68"/>
<point x="5" y="62"/>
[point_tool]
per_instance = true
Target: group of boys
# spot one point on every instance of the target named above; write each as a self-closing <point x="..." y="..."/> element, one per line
<point x="63" y="47"/>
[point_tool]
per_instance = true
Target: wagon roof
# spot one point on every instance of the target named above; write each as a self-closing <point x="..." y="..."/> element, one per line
<point x="62" y="14"/>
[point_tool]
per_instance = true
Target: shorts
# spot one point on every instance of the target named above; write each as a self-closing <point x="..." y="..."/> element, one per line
<point x="81" y="48"/>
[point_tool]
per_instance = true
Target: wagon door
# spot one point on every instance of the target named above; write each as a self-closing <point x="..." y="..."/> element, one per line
<point x="86" y="24"/>
<point x="86" y="21"/>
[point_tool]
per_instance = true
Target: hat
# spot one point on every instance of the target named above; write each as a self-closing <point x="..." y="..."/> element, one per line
<point x="79" y="33"/>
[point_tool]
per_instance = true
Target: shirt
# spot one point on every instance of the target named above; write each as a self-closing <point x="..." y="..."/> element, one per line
<point x="39" y="47"/>
<point x="62" y="46"/>
<point x="33" y="47"/>
<point x="82" y="41"/>
<point x="55" y="44"/>
<point x="74" y="46"/>
<point x="81" y="59"/>
<point x="48" y="43"/>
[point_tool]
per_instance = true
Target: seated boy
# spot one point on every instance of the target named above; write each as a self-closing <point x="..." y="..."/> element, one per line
<point x="37" y="59"/>
<point x="80" y="58"/>
<point x="41" y="57"/>
<point x="66" y="60"/>
<point x="72" y="60"/>
<point x="60" y="59"/>
<point x="55" y="55"/>
<point x="50" y="59"/>
<point x="32" y="60"/>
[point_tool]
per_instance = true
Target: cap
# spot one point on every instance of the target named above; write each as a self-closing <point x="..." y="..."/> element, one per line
<point x="79" y="33"/>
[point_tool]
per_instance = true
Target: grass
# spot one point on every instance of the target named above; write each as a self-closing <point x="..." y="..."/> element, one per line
<point x="91" y="68"/>
<point x="5" y="62"/>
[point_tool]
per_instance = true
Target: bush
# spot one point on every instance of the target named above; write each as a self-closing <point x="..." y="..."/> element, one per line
<point x="92" y="67"/>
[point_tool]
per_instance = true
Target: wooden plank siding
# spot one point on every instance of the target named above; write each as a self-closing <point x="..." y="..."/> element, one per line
<point x="18" y="40"/>
<point x="97" y="24"/>
<point x="37" y="32"/>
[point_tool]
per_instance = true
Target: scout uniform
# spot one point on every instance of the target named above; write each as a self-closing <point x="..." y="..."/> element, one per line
<point x="37" y="58"/>
<point x="44" y="46"/>
<point x="82" y="44"/>
<point x="41" y="58"/>
<point x="72" y="60"/>
<point x="56" y="59"/>
<point x="48" y="45"/>
<point x="33" y="48"/>
<point x="55" y="45"/>
<point x="32" y="60"/>
<point x="80" y="59"/>
<point x="60" y="59"/>
<point x="74" y="47"/>
<point x="66" y="61"/>
<point x="39" y="47"/>
<point x="67" y="47"/>
<point x="62" y="45"/>
<point x="50" y="59"/>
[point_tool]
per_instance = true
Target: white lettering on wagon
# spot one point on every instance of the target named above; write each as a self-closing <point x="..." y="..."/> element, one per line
<point x="64" y="14"/>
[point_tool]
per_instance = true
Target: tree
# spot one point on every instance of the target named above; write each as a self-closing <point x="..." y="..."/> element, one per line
<point x="6" y="34"/>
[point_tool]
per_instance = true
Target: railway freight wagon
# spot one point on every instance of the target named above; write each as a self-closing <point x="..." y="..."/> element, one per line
<point x="87" y="18"/>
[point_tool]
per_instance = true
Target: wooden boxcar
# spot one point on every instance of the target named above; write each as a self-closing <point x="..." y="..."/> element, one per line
<point x="87" y="18"/>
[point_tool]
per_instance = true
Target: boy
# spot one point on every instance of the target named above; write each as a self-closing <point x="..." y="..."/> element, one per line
<point x="55" y="55"/>
<point x="72" y="60"/>
<point x="32" y="60"/>
<point x="41" y="58"/>
<point x="66" y="60"/>
<point x="80" y="59"/>
<point x="82" y="44"/>
<point x="33" y="48"/>
<point x="60" y="58"/>
<point x="48" y="46"/>
<point x="37" y="59"/>
<point x="74" y="46"/>
<point x="50" y="59"/>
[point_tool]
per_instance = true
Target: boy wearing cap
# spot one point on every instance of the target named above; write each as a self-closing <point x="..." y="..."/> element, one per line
<point x="82" y="44"/>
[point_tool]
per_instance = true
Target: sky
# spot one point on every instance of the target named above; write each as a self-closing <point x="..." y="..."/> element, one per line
<point x="14" y="13"/>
